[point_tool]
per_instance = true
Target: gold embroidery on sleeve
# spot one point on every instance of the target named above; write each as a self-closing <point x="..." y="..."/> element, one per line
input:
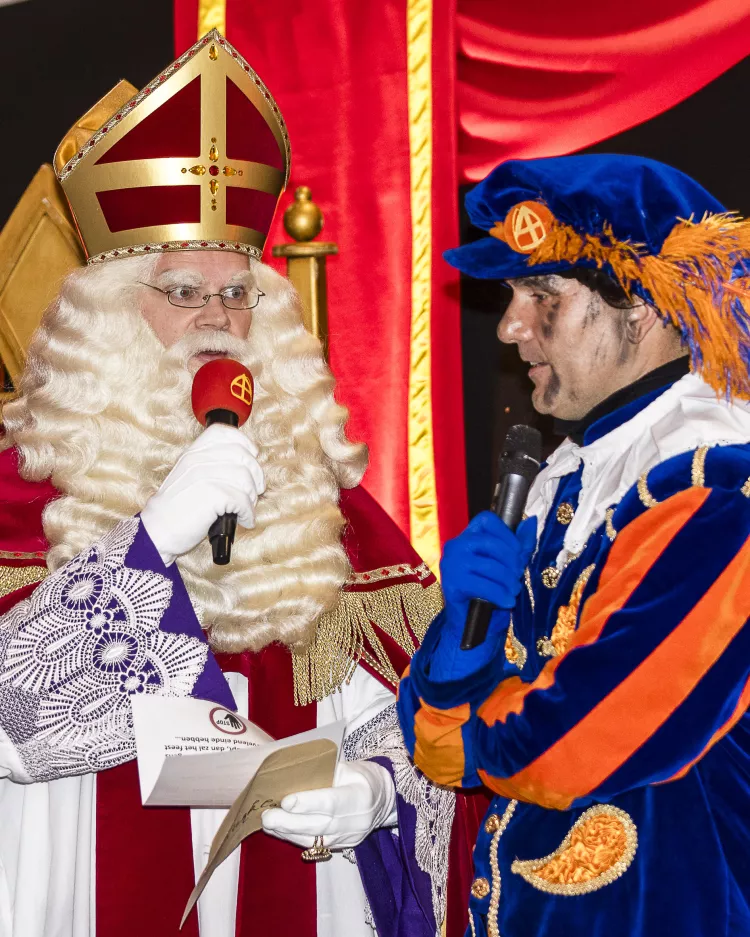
<point x="609" y="527"/>
<point x="644" y="494"/>
<point x="597" y="851"/>
<point x="698" y="468"/>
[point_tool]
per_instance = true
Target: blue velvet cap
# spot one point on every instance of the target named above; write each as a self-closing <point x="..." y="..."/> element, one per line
<point x="641" y="199"/>
<point x="653" y="229"/>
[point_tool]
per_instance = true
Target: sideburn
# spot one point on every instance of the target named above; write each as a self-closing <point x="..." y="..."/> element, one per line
<point x="552" y="389"/>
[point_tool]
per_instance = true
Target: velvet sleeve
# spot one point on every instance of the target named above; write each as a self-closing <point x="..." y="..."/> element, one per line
<point x="657" y="672"/>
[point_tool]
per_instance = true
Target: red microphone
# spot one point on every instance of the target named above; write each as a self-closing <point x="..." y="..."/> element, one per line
<point x="223" y="392"/>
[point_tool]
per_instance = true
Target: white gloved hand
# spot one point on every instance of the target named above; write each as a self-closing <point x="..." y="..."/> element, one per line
<point x="218" y="474"/>
<point x="362" y="799"/>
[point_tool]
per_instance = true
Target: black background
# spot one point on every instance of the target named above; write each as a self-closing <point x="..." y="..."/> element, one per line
<point x="58" y="59"/>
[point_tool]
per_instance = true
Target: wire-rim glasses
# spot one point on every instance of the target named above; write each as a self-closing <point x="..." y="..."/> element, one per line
<point x="190" y="297"/>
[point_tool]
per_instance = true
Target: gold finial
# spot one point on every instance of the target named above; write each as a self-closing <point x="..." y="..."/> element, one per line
<point x="303" y="220"/>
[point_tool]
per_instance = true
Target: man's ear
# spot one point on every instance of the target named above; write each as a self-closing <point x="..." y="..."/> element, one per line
<point x="639" y="320"/>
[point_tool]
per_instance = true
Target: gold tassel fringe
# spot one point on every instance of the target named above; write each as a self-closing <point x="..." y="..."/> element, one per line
<point x="345" y="636"/>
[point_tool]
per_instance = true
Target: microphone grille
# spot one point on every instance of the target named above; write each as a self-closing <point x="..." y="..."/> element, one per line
<point x="522" y="452"/>
<point x="223" y="384"/>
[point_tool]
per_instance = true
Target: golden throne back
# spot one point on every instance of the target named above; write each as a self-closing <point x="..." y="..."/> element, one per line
<point x="39" y="247"/>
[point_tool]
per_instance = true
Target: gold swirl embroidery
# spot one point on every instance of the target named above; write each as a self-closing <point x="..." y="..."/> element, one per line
<point x="698" y="468"/>
<point x="567" y="616"/>
<point x="515" y="652"/>
<point x="598" y="850"/>
<point x="746" y="489"/>
<point x="647" y="499"/>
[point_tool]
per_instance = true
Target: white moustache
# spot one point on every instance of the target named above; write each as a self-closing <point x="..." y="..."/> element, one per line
<point x="212" y="342"/>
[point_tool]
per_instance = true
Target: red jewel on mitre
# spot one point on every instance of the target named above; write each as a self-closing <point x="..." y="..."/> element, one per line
<point x="197" y="160"/>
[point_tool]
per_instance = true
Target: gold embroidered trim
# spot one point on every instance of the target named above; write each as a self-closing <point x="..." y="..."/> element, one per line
<point x="493" y="928"/>
<point x="339" y="643"/>
<point x="644" y="494"/>
<point x="598" y="850"/>
<point x="389" y="572"/>
<point x="515" y="652"/>
<point x="609" y="527"/>
<point x="746" y="489"/>
<point x="529" y="589"/>
<point x="20" y="555"/>
<point x="471" y="924"/>
<point x="698" y="469"/>
<point x="16" y="577"/>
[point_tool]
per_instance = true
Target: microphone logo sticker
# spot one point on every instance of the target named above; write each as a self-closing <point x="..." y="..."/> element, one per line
<point x="242" y="388"/>
<point x="226" y="721"/>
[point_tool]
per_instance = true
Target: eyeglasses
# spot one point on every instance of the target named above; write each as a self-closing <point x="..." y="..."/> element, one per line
<point x="232" y="297"/>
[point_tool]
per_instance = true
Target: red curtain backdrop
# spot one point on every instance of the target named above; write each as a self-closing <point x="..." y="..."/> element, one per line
<point x="510" y="80"/>
<point x="338" y="70"/>
<point x="548" y="78"/>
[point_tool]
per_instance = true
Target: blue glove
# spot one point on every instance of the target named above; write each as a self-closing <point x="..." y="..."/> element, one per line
<point x="486" y="561"/>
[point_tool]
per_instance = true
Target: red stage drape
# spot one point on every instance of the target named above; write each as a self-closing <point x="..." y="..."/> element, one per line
<point x="547" y="78"/>
<point x="338" y="70"/>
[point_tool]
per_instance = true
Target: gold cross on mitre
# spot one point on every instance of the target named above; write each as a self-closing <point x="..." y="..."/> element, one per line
<point x="138" y="183"/>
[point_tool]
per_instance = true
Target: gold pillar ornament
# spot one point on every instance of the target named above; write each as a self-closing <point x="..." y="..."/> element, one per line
<point x="306" y="261"/>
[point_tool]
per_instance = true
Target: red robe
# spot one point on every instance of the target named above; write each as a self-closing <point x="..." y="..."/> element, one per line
<point x="144" y="857"/>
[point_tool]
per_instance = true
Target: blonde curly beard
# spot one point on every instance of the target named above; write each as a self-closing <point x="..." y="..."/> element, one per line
<point x="104" y="413"/>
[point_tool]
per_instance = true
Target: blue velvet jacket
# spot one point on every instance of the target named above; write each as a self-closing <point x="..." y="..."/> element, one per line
<point x="614" y="729"/>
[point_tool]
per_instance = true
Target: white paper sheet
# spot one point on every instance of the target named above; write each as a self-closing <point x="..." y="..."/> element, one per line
<point x="193" y="753"/>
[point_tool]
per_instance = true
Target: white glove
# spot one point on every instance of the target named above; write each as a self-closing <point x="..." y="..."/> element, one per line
<point x="362" y="799"/>
<point x="218" y="474"/>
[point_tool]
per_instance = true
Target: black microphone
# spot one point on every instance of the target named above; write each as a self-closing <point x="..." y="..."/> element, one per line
<point x="518" y="466"/>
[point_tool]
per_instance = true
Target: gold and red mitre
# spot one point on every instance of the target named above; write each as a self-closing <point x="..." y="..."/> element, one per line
<point x="197" y="160"/>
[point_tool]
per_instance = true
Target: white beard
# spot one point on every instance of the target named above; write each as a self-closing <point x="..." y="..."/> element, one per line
<point x="107" y="419"/>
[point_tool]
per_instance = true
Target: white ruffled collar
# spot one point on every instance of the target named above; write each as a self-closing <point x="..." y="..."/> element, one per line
<point x="686" y="416"/>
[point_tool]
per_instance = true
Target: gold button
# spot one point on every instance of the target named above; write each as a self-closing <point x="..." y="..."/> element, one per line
<point x="565" y="513"/>
<point x="480" y="888"/>
<point x="492" y="823"/>
<point x="550" y="577"/>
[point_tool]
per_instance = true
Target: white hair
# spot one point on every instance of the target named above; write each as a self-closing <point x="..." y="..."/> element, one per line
<point x="104" y="413"/>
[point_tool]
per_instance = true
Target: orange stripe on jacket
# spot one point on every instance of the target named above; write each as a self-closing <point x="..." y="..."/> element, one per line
<point x="576" y="763"/>
<point x="439" y="749"/>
